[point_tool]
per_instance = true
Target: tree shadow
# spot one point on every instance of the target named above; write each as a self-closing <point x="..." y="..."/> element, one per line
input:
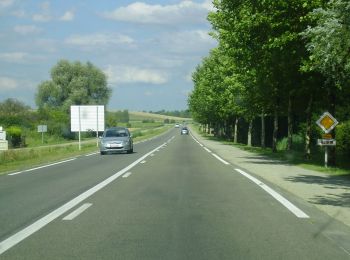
<point x="262" y="159"/>
<point x="330" y="182"/>
<point x="342" y="200"/>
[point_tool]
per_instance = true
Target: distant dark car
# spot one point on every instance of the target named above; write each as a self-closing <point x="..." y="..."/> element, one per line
<point x="116" y="139"/>
<point x="184" y="131"/>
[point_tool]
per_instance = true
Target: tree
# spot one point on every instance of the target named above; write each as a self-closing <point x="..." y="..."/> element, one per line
<point x="13" y="107"/>
<point x="329" y="48"/>
<point x="73" y="83"/>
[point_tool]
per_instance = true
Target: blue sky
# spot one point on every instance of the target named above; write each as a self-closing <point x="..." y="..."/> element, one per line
<point x="148" y="49"/>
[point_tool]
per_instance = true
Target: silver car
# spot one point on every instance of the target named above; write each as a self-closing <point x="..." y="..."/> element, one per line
<point x="116" y="139"/>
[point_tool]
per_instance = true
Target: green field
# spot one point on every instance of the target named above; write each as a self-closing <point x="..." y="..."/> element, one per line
<point x="56" y="149"/>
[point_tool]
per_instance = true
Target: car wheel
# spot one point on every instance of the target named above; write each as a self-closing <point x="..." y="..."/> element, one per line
<point x="102" y="153"/>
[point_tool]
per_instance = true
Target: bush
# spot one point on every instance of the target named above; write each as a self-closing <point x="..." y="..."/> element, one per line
<point x="297" y="143"/>
<point x="14" y="135"/>
<point x="343" y="137"/>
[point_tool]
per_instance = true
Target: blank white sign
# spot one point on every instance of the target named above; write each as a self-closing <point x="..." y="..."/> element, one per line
<point x="87" y="118"/>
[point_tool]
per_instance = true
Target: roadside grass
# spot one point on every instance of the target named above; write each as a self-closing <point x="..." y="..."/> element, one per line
<point x="293" y="157"/>
<point x="20" y="159"/>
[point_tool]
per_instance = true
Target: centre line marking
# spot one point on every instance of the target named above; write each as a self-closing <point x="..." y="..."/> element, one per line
<point x="39" y="224"/>
<point x="77" y="212"/>
<point x="290" y="206"/>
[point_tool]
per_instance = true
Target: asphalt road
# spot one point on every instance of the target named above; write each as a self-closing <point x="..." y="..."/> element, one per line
<point x="171" y="199"/>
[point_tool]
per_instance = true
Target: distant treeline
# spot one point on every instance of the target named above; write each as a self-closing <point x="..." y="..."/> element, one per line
<point x="176" y="113"/>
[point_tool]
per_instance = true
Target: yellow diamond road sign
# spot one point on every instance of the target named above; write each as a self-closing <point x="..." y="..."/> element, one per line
<point x="327" y="122"/>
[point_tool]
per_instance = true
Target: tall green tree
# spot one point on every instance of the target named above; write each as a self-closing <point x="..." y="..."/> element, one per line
<point x="73" y="83"/>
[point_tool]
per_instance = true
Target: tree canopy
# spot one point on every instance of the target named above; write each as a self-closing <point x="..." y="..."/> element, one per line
<point x="73" y="83"/>
<point x="275" y="58"/>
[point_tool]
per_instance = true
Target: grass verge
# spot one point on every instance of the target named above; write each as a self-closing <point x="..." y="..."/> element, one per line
<point x="316" y="163"/>
<point x="20" y="159"/>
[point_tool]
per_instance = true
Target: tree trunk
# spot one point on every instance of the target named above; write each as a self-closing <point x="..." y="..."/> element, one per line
<point x="250" y="132"/>
<point x="275" y="130"/>
<point x="263" y="129"/>
<point x="290" y="124"/>
<point x="236" y="131"/>
<point x="307" y="151"/>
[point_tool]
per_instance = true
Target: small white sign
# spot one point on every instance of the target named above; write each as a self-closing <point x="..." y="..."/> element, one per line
<point x="87" y="118"/>
<point x="326" y="142"/>
<point x="2" y="135"/>
<point x="42" y="128"/>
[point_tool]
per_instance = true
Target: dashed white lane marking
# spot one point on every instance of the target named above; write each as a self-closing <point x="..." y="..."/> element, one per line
<point x="290" y="206"/>
<point x="220" y="159"/>
<point x="143" y="162"/>
<point x="77" y="212"/>
<point x="152" y="155"/>
<point x="39" y="224"/>
<point x="126" y="175"/>
<point x="41" y="167"/>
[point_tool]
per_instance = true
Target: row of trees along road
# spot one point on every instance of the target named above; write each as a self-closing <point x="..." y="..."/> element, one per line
<point x="276" y="60"/>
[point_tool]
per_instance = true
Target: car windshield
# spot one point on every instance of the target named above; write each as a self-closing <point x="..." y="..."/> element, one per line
<point x="116" y="133"/>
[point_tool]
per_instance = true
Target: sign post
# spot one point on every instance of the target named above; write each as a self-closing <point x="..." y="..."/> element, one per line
<point x="87" y="118"/>
<point x="42" y="129"/>
<point x="327" y="123"/>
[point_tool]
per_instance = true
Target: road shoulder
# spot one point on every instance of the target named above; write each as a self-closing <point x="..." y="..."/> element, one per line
<point x="331" y="194"/>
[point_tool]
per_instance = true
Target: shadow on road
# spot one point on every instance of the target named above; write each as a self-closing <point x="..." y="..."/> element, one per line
<point x="260" y="159"/>
<point x="336" y="183"/>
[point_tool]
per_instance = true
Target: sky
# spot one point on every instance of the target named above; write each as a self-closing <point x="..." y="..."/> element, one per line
<point x="148" y="49"/>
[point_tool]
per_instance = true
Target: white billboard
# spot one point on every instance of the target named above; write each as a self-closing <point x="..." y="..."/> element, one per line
<point x="87" y="118"/>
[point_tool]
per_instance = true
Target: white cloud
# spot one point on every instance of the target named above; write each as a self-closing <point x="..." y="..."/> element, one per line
<point x="8" y="83"/>
<point x="99" y="39"/>
<point x="187" y="41"/>
<point x="13" y="56"/>
<point x="19" y="57"/>
<point x="6" y="3"/>
<point x="42" y="17"/>
<point x="129" y="74"/>
<point x="183" y="12"/>
<point x="19" y="13"/>
<point x="68" y="16"/>
<point x="26" y="29"/>
<point x="45" y="15"/>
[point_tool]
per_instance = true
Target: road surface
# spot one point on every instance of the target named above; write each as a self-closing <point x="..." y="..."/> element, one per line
<point x="172" y="198"/>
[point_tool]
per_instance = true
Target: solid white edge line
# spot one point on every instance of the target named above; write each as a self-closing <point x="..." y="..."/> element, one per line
<point x="37" y="225"/>
<point x="290" y="206"/>
<point x="77" y="212"/>
<point x="41" y="167"/>
<point x="205" y="148"/>
<point x="220" y="159"/>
